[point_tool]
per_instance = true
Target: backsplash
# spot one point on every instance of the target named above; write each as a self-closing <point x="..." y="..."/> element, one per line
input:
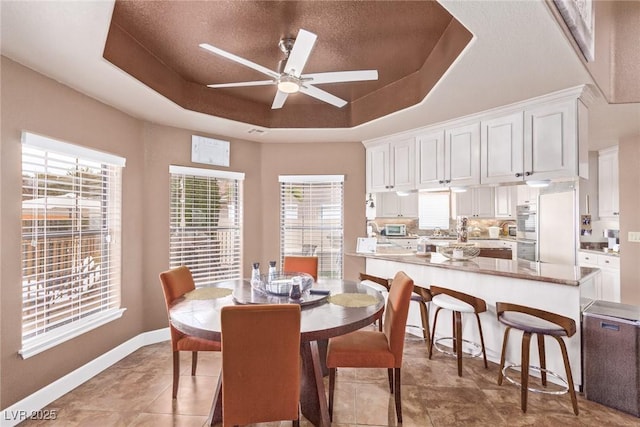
<point x="477" y="227"/>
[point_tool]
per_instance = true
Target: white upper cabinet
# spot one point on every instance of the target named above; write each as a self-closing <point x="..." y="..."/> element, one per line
<point x="501" y="148"/>
<point x="505" y="202"/>
<point x="551" y="141"/>
<point x="462" y="155"/>
<point x="430" y="160"/>
<point x="391" y="166"/>
<point x="527" y="195"/>
<point x="389" y="205"/>
<point x="608" y="193"/>
<point x="449" y="157"/>
<point x="476" y="203"/>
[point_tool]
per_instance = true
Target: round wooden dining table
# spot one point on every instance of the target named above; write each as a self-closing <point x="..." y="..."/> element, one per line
<point x="319" y="321"/>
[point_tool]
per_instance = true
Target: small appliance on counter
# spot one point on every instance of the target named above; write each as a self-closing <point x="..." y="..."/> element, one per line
<point x="494" y="232"/>
<point x="396" y="230"/>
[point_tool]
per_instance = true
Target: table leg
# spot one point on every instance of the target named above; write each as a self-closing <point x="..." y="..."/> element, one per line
<point x="313" y="400"/>
<point x="215" y="414"/>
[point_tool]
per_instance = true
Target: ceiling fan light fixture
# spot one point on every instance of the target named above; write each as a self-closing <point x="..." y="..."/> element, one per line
<point x="288" y="84"/>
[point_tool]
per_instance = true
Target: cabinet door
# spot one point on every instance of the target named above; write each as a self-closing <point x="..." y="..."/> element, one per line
<point x="408" y="205"/>
<point x="501" y="149"/>
<point x="462" y="155"/>
<point x="430" y="160"/>
<point x="484" y="203"/>
<point x="464" y="204"/>
<point x="550" y="141"/>
<point x="608" y="198"/>
<point x="527" y="195"/>
<point x="387" y="204"/>
<point x="505" y="202"/>
<point x="610" y="286"/>
<point x="404" y="163"/>
<point x="378" y="164"/>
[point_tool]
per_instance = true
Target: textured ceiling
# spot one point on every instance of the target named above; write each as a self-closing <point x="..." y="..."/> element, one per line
<point x="410" y="43"/>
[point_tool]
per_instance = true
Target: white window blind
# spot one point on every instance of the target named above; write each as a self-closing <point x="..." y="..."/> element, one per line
<point x="206" y="223"/>
<point x="312" y="220"/>
<point x="433" y="208"/>
<point x="71" y="251"/>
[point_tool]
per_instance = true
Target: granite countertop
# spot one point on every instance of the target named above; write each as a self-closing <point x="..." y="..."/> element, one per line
<point x="519" y="269"/>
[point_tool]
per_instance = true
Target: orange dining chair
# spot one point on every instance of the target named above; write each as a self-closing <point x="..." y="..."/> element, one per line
<point x="260" y="363"/>
<point x="176" y="283"/>
<point x="302" y="264"/>
<point x="376" y="349"/>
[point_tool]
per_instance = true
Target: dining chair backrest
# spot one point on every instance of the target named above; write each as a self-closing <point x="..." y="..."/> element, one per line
<point x="395" y="314"/>
<point x="260" y="363"/>
<point x="301" y="264"/>
<point x="175" y="283"/>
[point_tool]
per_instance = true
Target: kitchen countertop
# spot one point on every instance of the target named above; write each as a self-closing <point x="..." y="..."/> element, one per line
<point x="543" y="272"/>
<point x="600" y="252"/>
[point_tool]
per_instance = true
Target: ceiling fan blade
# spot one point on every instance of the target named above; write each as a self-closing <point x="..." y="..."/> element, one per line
<point x="341" y="76"/>
<point x="278" y="100"/>
<point x="245" y="62"/>
<point x="323" y="95"/>
<point x="300" y="52"/>
<point x="243" y="84"/>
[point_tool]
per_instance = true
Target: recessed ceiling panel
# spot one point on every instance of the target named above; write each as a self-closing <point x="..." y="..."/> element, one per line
<point x="410" y="43"/>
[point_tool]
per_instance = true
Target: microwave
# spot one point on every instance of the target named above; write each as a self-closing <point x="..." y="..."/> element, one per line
<point x="395" y="230"/>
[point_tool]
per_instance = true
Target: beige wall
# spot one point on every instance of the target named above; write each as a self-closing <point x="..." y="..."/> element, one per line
<point x="33" y="102"/>
<point x="38" y="104"/>
<point x="629" y="178"/>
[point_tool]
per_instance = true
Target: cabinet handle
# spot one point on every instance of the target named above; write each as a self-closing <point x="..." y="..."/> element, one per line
<point x="528" y="173"/>
<point x="518" y="175"/>
<point x="441" y="182"/>
<point x="448" y="181"/>
<point x="606" y="261"/>
<point x="616" y="213"/>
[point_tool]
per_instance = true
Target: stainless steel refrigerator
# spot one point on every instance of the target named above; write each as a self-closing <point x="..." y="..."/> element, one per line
<point x="557" y="224"/>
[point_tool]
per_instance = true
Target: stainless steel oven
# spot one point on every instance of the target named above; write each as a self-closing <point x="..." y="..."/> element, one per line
<point x="526" y="250"/>
<point x="526" y="222"/>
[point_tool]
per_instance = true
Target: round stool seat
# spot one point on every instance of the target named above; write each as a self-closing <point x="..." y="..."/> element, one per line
<point x="450" y="303"/>
<point x="528" y="323"/>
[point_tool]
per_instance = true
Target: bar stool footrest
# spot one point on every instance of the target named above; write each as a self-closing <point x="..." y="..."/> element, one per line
<point x="472" y="349"/>
<point x="564" y="388"/>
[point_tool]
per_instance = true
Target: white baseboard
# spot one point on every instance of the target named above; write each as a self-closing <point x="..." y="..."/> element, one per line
<point x="33" y="404"/>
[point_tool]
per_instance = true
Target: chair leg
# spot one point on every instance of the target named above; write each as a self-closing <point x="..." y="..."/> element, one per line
<point x="484" y="353"/>
<point x="543" y="359"/>
<point x="424" y="314"/>
<point x="390" y="375"/>
<point x="433" y="332"/>
<point x="567" y="368"/>
<point x="505" y="340"/>
<point x="524" y="371"/>
<point x="332" y="385"/>
<point x="397" y="394"/>
<point x="194" y="362"/>
<point x="176" y="372"/>
<point x="458" y="339"/>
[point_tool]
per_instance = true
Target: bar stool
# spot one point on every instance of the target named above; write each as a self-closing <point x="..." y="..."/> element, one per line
<point x="420" y="295"/>
<point x="458" y="303"/>
<point x="539" y="322"/>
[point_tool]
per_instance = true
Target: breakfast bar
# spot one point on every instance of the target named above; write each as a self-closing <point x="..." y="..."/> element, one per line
<point x="561" y="289"/>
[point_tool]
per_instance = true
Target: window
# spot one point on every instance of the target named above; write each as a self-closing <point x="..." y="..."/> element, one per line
<point x="433" y="208"/>
<point x="206" y="223"/>
<point x="71" y="250"/>
<point x="311" y="220"/>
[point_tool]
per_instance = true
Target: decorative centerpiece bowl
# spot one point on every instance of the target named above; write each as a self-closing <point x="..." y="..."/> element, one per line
<point x="459" y="251"/>
<point x="280" y="283"/>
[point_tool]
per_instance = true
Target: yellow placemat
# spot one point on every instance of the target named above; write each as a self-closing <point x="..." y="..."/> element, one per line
<point x="353" y="300"/>
<point x="207" y="293"/>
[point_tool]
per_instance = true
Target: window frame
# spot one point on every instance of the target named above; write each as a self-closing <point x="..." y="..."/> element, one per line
<point x="331" y="223"/>
<point x="201" y="236"/>
<point x="97" y="295"/>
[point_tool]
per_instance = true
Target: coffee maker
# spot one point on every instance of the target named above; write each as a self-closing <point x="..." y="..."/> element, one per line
<point x="613" y="239"/>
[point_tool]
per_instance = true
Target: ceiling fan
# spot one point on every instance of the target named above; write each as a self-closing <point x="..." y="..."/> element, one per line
<point x="289" y="78"/>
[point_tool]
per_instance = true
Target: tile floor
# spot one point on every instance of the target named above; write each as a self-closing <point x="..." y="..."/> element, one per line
<point x="137" y="392"/>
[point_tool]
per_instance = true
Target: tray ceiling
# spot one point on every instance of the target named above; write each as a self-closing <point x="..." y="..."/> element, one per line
<point x="411" y="44"/>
